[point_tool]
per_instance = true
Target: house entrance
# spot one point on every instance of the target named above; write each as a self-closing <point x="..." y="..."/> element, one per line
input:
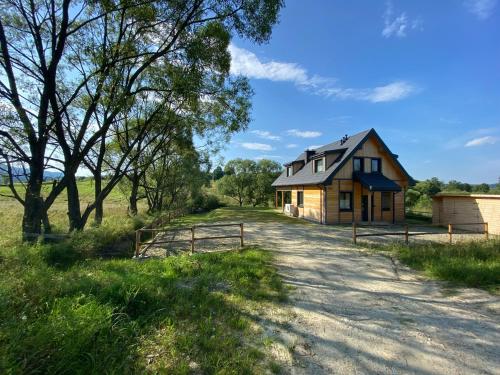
<point x="364" y="208"/>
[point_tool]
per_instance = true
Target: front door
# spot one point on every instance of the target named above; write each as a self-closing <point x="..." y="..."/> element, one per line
<point x="364" y="208"/>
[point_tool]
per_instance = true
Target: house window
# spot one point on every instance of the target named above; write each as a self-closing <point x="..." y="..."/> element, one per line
<point x="358" y="164"/>
<point x="386" y="201"/>
<point x="319" y="165"/>
<point x="288" y="171"/>
<point x="376" y="165"/>
<point x="300" y="199"/>
<point x="345" y="203"/>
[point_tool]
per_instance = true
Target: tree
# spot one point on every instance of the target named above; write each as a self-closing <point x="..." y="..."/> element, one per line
<point x="429" y="187"/>
<point x="238" y="180"/>
<point x="249" y="182"/>
<point x="481" y="188"/>
<point x="218" y="173"/>
<point x="262" y="192"/>
<point x="71" y="71"/>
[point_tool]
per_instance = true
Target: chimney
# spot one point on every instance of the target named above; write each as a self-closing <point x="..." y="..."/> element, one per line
<point x="309" y="153"/>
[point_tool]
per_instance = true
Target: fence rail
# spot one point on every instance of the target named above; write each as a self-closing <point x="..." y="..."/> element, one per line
<point x="406" y="233"/>
<point x="191" y="241"/>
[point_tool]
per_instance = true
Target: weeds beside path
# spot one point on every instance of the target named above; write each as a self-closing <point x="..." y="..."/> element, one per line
<point x="176" y="315"/>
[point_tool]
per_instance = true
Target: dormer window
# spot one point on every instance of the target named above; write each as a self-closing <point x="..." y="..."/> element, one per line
<point x="376" y="165"/>
<point x="289" y="171"/>
<point x="358" y="164"/>
<point x="319" y="165"/>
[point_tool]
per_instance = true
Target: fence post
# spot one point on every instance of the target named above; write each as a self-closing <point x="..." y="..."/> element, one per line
<point x="406" y="234"/>
<point x="450" y="231"/>
<point x="137" y="242"/>
<point x="486" y="231"/>
<point x="354" y="232"/>
<point x="241" y="235"/>
<point x="192" y="240"/>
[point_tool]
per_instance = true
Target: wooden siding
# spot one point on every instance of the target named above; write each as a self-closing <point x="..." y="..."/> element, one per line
<point x="335" y="216"/>
<point x="372" y="149"/>
<point x="468" y="209"/>
<point x="313" y="202"/>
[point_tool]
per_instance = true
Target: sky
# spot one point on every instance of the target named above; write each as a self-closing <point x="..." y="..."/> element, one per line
<point x="424" y="74"/>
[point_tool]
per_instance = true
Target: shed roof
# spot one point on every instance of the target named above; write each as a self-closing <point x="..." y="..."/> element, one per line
<point x="376" y="182"/>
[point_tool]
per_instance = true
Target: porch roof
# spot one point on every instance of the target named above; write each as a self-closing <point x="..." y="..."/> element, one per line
<point x="376" y="182"/>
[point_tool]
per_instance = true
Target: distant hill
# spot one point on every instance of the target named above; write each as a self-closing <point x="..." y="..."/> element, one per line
<point x="48" y="175"/>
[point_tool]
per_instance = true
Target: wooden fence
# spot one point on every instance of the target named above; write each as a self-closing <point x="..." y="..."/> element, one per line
<point x="406" y="233"/>
<point x="455" y="225"/>
<point x="155" y="232"/>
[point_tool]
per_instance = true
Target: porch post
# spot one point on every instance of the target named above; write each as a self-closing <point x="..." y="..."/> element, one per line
<point x="276" y="198"/>
<point x="370" y="207"/>
<point x="282" y="200"/>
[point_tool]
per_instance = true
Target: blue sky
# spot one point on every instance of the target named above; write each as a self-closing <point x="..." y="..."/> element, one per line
<point x="424" y="74"/>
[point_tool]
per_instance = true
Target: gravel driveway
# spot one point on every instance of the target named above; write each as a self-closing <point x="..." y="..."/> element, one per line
<point x="359" y="312"/>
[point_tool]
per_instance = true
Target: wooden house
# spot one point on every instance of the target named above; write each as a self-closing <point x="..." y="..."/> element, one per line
<point x="355" y="179"/>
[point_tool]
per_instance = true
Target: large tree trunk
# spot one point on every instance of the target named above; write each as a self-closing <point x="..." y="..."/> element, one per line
<point x="99" y="203"/>
<point x="133" y="195"/>
<point x="74" y="212"/>
<point x="34" y="209"/>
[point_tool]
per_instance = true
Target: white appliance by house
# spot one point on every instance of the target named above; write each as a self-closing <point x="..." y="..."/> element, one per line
<point x="288" y="208"/>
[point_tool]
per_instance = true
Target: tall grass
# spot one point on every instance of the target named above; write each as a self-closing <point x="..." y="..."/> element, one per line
<point x="473" y="264"/>
<point x="65" y="314"/>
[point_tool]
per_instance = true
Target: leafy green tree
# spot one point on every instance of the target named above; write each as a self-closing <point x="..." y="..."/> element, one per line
<point x="71" y="70"/>
<point x="481" y="188"/>
<point x="218" y="173"/>
<point x="239" y="176"/>
<point x="411" y="198"/>
<point x="262" y="191"/>
<point x="429" y="187"/>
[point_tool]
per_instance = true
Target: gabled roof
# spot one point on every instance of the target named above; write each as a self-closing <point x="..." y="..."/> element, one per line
<point x="306" y="176"/>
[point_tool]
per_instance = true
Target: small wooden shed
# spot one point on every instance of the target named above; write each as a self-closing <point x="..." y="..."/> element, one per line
<point x="462" y="208"/>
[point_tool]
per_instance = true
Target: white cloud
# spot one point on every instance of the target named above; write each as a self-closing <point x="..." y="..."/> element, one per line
<point x="488" y="140"/>
<point x="482" y="9"/>
<point x="266" y="135"/>
<point x="303" y="133"/>
<point x="398" y="25"/>
<point x="292" y="145"/>
<point x="246" y="63"/>
<point x="391" y="92"/>
<point x="256" y="146"/>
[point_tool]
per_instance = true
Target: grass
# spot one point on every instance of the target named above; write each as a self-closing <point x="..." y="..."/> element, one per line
<point x="472" y="264"/>
<point x="177" y="315"/>
<point x="237" y="215"/>
<point x="65" y="309"/>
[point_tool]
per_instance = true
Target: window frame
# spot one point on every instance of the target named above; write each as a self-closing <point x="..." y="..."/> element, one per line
<point x="289" y="171"/>
<point x="389" y="200"/>
<point x="361" y="163"/>
<point x="350" y="201"/>
<point x="379" y="160"/>
<point x="315" y="165"/>
<point x="300" y="202"/>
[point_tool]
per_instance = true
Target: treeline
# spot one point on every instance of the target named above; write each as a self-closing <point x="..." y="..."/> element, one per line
<point x="420" y="195"/>
<point x="247" y="182"/>
<point x="120" y="89"/>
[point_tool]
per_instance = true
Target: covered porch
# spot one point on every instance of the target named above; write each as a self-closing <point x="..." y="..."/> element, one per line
<point x="377" y="198"/>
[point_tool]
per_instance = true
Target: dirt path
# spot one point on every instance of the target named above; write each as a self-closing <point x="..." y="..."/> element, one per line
<point x="356" y="312"/>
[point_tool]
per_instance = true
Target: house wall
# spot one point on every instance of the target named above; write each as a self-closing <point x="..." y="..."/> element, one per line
<point x="372" y="149"/>
<point x="335" y="216"/>
<point x="468" y="209"/>
<point x="313" y="202"/>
